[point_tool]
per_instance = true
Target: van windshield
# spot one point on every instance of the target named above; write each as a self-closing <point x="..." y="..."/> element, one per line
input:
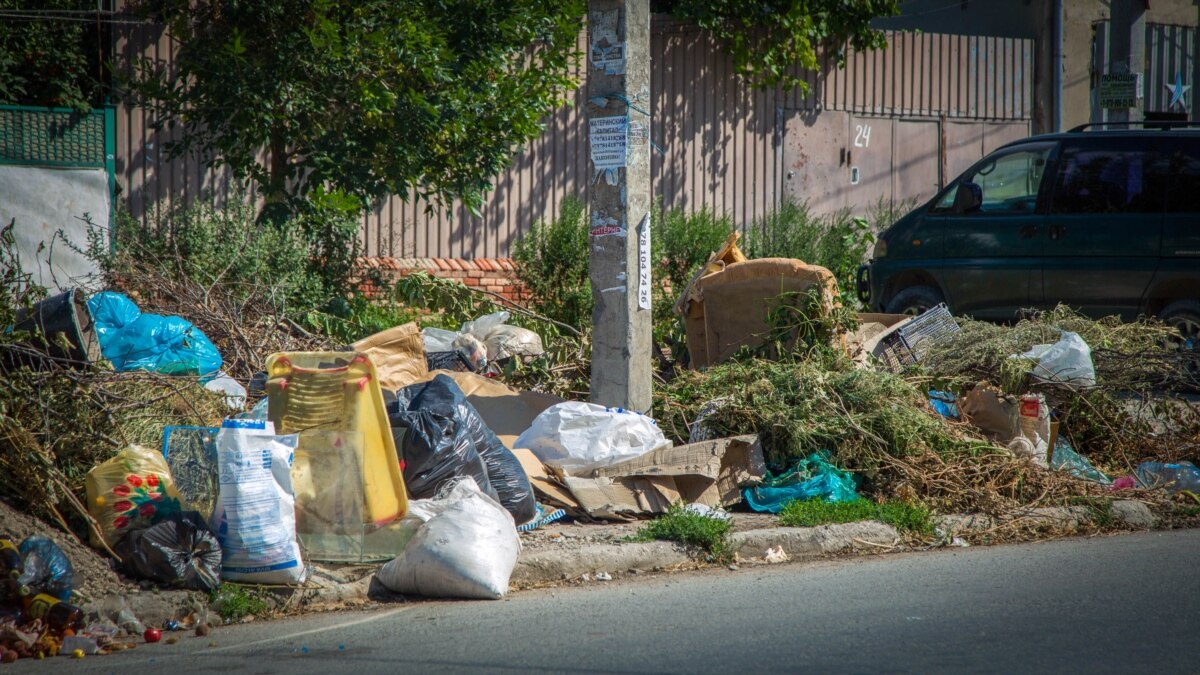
<point x="1006" y="182"/>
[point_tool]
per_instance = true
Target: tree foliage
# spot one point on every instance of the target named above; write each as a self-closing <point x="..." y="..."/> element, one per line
<point x="367" y="97"/>
<point x="49" y="56"/>
<point x="767" y="38"/>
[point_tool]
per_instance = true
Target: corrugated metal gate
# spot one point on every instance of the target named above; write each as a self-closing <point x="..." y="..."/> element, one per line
<point x="906" y="117"/>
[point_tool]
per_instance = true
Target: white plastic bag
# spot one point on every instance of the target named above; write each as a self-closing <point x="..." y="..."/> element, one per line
<point x="466" y="547"/>
<point x="579" y="437"/>
<point x="482" y="326"/>
<point x="235" y="393"/>
<point x="438" y="339"/>
<point x="255" y="514"/>
<point x="1068" y="361"/>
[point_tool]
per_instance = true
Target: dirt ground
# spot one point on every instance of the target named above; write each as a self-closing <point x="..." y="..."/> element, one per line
<point x="94" y="574"/>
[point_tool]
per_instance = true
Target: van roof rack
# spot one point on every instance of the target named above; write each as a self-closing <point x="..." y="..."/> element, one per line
<point x="1163" y="125"/>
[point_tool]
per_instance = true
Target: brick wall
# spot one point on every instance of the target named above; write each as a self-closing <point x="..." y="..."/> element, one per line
<point x="489" y="274"/>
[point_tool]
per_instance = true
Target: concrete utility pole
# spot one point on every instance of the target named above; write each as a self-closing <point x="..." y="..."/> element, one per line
<point x="618" y="77"/>
<point x="1127" y="35"/>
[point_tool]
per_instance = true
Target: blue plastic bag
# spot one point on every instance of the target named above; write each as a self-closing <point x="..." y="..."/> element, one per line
<point x="813" y="478"/>
<point x="163" y="344"/>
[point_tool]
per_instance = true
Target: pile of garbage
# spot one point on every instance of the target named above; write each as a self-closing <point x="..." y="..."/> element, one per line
<point x="190" y="468"/>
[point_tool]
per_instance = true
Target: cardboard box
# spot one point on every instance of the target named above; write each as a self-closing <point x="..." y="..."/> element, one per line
<point x="709" y="472"/>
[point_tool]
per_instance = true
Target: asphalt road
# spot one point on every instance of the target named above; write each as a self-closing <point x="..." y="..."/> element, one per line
<point x="1126" y="603"/>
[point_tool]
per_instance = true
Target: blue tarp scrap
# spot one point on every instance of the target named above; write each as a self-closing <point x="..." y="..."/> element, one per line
<point x="944" y="403"/>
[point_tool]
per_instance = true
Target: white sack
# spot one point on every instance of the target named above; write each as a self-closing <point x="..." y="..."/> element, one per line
<point x="579" y="437"/>
<point x="255" y="514"/>
<point x="465" y="547"/>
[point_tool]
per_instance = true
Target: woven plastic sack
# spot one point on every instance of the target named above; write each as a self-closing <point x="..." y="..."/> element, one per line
<point x="505" y="342"/>
<point x="255" y="515"/>
<point x="131" y="491"/>
<point x="465" y="547"/>
<point x="579" y="437"/>
<point x="132" y="340"/>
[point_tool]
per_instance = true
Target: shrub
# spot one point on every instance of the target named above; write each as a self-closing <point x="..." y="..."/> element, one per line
<point x="837" y="241"/>
<point x="552" y="263"/>
<point x="305" y="261"/>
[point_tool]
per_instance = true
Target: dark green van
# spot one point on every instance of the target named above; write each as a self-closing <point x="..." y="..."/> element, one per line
<point x="1107" y="222"/>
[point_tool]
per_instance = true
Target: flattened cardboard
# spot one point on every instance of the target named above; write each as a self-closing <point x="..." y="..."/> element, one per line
<point x="398" y="354"/>
<point x="548" y="488"/>
<point x="709" y="472"/>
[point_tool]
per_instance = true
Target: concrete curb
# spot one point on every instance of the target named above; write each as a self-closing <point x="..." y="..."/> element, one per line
<point x="809" y="542"/>
<point x="547" y="566"/>
<point x="551" y="566"/>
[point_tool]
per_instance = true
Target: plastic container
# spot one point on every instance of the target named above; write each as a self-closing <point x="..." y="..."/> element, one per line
<point x="56" y="614"/>
<point x="66" y="313"/>
<point x="1170" y="477"/>
<point x="346" y="476"/>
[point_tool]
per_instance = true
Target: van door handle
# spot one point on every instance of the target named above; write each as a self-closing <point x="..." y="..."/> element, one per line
<point x="1057" y="231"/>
<point x="1027" y="232"/>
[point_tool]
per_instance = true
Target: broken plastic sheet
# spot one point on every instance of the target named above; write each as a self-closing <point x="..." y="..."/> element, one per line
<point x="813" y="478"/>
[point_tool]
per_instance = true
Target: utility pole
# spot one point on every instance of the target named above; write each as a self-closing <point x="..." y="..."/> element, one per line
<point x="1127" y="35"/>
<point x="618" y="83"/>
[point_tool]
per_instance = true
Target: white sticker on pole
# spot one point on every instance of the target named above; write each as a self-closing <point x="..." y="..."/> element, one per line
<point x="644" y="263"/>
<point x="607" y="137"/>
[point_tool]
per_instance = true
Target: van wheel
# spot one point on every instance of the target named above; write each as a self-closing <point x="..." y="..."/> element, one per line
<point x="1184" y="316"/>
<point x="915" y="300"/>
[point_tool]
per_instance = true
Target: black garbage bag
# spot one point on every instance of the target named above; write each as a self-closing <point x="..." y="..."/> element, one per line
<point x="443" y="398"/>
<point x="180" y="552"/>
<point x="433" y="450"/>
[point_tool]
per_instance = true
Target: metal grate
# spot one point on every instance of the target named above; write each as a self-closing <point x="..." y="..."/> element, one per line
<point x="52" y="137"/>
<point x="908" y="345"/>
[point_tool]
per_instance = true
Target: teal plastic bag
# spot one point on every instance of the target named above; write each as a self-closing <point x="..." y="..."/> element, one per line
<point x="132" y="340"/>
<point x="813" y="478"/>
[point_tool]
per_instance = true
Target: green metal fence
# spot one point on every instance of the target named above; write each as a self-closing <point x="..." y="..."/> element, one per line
<point x="60" y="137"/>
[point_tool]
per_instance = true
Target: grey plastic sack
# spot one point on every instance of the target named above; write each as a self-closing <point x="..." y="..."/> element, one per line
<point x="466" y="547"/>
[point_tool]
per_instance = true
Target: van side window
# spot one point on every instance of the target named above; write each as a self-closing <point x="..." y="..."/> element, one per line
<point x="1008" y="183"/>
<point x="1183" y="196"/>
<point x="1094" y="179"/>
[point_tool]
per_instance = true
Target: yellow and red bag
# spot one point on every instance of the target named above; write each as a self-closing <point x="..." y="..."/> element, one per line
<point x="132" y="490"/>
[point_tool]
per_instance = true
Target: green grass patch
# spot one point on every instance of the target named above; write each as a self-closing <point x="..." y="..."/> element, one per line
<point x="234" y="602"/>
<point x="679" y="524"/>
<point x="901" y="515"/>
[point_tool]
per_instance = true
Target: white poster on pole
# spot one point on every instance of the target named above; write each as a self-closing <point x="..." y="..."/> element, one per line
<point x="644" y="263"/>
<point x="607" y="137"/>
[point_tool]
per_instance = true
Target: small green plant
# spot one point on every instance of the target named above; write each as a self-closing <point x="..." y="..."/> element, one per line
<point x="901" y="515"/>
<point x="235" y="602"/>
<point x="687" y="527"/>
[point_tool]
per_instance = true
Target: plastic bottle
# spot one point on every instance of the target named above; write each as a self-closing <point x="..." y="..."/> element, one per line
<point x="47" y="569"/>
<point x="56" y="614"/>
<point x="1171" y="477"/>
